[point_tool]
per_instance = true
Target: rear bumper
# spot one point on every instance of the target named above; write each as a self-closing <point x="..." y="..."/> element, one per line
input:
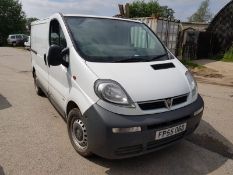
<point x="103" y="142"/>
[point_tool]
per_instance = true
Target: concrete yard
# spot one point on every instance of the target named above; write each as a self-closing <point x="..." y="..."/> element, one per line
<point x="34" y="139"/>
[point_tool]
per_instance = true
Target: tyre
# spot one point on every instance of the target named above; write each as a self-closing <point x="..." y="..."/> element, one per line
<point x="14" y="44"/>
<point x="78" y="133"/>
<point x="37" y="88"/>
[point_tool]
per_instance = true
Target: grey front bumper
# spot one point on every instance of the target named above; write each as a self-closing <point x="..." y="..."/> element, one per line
<point x="102" y="141"/>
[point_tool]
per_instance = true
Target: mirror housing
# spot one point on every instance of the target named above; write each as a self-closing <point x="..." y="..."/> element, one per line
<point x="55" y="55"/>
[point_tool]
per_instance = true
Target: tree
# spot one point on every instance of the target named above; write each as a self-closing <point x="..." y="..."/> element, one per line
<point x="202" y="14"/>
<point x="140" y="8"/>
<point x="12" y="18"/>
<point x="167" y="12"/>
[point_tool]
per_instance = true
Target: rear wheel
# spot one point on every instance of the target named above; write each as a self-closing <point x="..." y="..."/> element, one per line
<point x="78" y="132"/>
<point x="14" y="44"/>
<point x="37" y="88"/>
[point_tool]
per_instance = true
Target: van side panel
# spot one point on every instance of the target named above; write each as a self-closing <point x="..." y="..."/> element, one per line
<point x="40" y="37"/>
<point x="39" y="46"/>
<point x="58" y="80"/>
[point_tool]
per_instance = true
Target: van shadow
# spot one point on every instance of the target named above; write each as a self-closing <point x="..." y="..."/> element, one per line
<point x="4" y="103"/>
<point x="1" y="171"/>
<point x="198" y="154"/>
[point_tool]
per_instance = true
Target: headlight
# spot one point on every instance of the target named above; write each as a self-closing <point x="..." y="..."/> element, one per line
<point x="192" y="83"/>
<point x="111" y="91"/>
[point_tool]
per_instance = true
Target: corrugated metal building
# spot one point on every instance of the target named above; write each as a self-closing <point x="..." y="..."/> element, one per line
<point x="166" y="29"/>
<point x="222" y="29"/>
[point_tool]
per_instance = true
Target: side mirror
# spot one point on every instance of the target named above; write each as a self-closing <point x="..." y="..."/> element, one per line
<point x="55" y="55"/>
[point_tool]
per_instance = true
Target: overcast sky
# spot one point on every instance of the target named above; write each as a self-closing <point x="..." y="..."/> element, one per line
<point x="44" y="8"/>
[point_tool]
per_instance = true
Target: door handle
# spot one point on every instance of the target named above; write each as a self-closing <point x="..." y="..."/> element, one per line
<point x="45" y="61"/>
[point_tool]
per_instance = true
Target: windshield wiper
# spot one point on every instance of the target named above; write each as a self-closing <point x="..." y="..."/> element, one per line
<point x="140" y="59"/>
<point x="131" y="59"/>
<point x="157" y="57"/>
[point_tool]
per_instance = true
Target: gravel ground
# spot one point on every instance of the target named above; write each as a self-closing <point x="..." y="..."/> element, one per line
<point x="34" y="139"/>
<point x="217" y="72"/>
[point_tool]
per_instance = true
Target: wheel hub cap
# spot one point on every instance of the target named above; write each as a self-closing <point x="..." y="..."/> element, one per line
<point x="79" y="134"/>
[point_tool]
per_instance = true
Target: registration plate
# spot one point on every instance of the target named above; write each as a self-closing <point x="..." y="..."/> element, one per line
<point x="170" y="131"/>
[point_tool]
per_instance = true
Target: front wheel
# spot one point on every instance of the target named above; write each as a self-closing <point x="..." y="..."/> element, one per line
<point x="78" y="132"/>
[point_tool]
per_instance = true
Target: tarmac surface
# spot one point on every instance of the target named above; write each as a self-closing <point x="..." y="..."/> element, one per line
<point x="34" y="139"/>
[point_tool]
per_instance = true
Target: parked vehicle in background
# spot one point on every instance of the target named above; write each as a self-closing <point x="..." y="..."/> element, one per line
<point x="121" y="91"/>
<point x="17" y="39"/>
<point x="1" y="40"/>
<point x="27" y="44"/>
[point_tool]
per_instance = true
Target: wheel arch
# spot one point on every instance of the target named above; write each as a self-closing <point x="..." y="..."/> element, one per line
<point x="33" y="72"/>
<point x="78" y="98"/>
<point x="70" y="105"/>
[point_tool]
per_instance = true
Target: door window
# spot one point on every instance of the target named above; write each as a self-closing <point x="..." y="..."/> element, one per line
<point x="56" y="35"/>
<point x="18" y="36"/>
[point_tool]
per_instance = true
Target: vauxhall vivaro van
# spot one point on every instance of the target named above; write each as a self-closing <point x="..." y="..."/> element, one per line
<point x="118" y="87"/>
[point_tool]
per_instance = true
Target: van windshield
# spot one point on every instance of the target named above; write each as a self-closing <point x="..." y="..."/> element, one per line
<point x="110" y="40"/>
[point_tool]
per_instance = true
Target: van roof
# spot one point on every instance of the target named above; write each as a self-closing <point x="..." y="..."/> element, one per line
<point x="105" y="17"/>
<point x="81" y="15"/>
<point x="17" y="34"/>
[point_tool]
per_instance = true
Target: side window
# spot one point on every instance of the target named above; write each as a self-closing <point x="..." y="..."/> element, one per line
<point x="18" y="36"/>
<point x="62" y="39"/>
<point x="56" y="35"/>
<point x="13" y="37"/>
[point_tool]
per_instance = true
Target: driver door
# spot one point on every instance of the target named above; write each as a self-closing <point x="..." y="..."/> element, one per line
<point x="58" y="75"/>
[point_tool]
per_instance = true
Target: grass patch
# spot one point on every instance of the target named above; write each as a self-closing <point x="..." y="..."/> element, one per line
<point x="18" y="47"/>
<point x="216" y="57"/>
<point x="201" y="71"/>
<point x="228" y="56"/>
<point x="191" y="65"/>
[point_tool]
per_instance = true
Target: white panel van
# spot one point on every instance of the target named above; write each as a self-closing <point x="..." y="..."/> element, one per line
<point x="119" y="88"/>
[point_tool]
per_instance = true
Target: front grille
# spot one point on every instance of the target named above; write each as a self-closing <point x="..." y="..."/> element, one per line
<point x="179" y="100"/>
<point x="168" y="124"/>
<point x="161" y="103"/>
<point x="152" y="105"/>
<point x="128" y="150"/>
<point x="155" y="144"/>
<point x="137" y="149"/>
